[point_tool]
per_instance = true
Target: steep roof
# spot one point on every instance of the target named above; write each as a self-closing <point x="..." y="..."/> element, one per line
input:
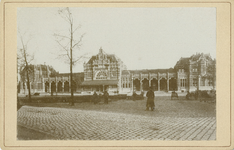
<point x="197" y="56"/>
<point x="182" y="61"/>
<point x="111" y="57"/>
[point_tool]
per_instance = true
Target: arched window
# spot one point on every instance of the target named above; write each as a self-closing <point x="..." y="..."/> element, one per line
<point x="101" y="75"/>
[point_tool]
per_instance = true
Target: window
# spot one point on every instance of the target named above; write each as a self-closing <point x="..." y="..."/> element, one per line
<point x="194" y="70"/>
<point x="202" y="83"/>
<point x="210" y="83"/>
<point x="182" y="82"/>
<point x="101" y="75"/>
<point x="89" y="74"/>
<point x="194" y="82"/>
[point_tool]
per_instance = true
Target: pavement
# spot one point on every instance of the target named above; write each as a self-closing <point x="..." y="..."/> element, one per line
<point x="123" y="120"/>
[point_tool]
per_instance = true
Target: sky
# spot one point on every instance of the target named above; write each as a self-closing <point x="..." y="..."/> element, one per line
<point x="143" y="38"/>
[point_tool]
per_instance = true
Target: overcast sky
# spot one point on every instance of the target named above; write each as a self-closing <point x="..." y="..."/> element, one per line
<point x="143" y="38"/>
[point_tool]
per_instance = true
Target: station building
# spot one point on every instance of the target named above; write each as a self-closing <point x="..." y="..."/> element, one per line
<point x="108" y="72"/>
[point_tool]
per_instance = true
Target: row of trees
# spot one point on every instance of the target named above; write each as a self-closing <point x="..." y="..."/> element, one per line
<point x="67" y="42"/>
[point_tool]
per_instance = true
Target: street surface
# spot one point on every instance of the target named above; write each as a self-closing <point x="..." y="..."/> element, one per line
<point x="122" y="120"/>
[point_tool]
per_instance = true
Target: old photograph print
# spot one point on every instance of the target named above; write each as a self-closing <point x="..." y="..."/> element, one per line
<point x="129" y="73"/>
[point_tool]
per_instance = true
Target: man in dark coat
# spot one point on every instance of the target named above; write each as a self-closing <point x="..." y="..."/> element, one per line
<point x="150" y="100"/>
<point x="106" y="95"/>
<point x="95" y="97"/>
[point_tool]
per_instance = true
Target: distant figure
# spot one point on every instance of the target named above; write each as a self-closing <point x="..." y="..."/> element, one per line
<point x="95" y="97"/>
<point x="188" y="95"/>
<point x="99" y="97"/>
<point x="150" y="100"/>
<point x="134" y="95"/>
<point x="174" y="94"/>
<point x="106" y="95"/>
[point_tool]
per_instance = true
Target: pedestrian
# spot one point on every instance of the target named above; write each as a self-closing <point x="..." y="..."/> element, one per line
<point x="106" y="95"/>
<point x="99" y="97"/>
<point x="150" y="100"/>
<point x="95" y="97"/>
<point x="134" y="95"/>
<point x="188" y="95"/>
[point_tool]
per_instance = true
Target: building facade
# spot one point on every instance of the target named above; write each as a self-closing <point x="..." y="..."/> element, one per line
<point x="196" y="72"/>
<point x="44" y="78"/>
<point x="103" y="72"/>
<point x="107" y="72"/>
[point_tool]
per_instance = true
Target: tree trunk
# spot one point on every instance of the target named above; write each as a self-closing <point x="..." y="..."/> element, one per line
<point x="28" y="84"/>
<point x="72" y="98"/>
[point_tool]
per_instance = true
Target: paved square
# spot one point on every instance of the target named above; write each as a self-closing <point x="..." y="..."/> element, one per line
<point x="98" y="122"/>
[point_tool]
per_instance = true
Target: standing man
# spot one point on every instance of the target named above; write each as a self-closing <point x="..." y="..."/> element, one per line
<point x="150" y="100"/>
<point x="106" y="95"/>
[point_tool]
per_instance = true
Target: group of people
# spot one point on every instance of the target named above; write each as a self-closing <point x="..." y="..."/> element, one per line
<point x="149" y="104"/>
<point x="97" y="98"/>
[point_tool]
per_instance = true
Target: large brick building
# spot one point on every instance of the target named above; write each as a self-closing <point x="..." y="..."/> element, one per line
<point x="107" y="72"/>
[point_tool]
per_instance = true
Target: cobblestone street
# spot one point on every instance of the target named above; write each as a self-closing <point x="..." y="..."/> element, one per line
<point x="104" y="122"/>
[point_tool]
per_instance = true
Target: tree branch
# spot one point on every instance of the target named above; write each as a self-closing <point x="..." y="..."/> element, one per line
<point x="80" y="58"/>
<point x="62" y="36"/>
<point x="77" y="44"/>
<point x="76" y="29"/>
<point x="64" y="49"/>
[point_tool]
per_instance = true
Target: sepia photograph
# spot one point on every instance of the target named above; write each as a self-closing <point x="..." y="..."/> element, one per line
<point x="141" y="73"/>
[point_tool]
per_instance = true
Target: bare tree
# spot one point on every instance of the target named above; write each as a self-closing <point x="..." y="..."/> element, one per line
<point x="68" y="43"/>
<point x="24" y="59"/>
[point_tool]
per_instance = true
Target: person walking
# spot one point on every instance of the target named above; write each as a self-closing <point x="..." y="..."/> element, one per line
<point x="150" y="100"/>
<point x="106" y="95"/>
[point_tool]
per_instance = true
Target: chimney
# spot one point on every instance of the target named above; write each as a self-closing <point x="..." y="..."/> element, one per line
<point x="100" y="50"/>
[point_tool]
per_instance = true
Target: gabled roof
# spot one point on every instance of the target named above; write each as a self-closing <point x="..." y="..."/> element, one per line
<point x="111" y="57"/>
<point x="197" y="56"/>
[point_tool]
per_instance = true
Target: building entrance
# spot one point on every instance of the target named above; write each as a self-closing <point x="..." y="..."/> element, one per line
<point x="163" y="84"/>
